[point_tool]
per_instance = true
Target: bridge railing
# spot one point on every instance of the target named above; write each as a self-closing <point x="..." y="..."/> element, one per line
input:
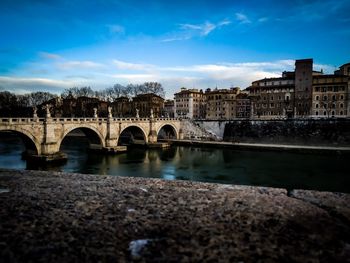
<point x="76" y="119"/>
<point x="20" y="120"/>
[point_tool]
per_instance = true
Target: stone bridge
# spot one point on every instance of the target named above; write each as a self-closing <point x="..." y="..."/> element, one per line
<point x="43" y="136"/>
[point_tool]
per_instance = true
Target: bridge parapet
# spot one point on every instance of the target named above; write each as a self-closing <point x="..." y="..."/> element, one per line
<point x="79" y="119"/>
<point x="20" y="120"/>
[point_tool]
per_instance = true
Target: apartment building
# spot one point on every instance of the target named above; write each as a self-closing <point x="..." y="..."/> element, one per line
<point x="189" y="103"/>
<point x="302" y="93"/>
<point x="221" y="103"/>
<point x="272" y="98"/>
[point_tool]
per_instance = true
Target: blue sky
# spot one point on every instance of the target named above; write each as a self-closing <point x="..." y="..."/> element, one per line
<point x="51" y="45"/>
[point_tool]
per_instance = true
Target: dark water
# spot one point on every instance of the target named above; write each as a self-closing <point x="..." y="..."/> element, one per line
<point x="276" y="169"/>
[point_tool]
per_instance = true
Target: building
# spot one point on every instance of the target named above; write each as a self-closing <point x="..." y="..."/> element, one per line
<point x="169" y="109"/>
<point x="189" y="103"/>
<point x="272" y="98"/>
<point x="303" y="87"/>
<point x="302" y="93"/>
<point x="243" y="105"/>
<point x="329" y="98"/>
<point x="221" y="103"/>
<point x="121" y="107"/>
<point x="145" y="102"/>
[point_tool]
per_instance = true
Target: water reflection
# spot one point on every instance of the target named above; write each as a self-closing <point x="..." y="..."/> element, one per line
<point x="277" y="169"/>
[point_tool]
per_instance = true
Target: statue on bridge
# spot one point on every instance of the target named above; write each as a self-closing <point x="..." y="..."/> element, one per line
<point x="152" y="116"/>
<point x="35" y="114"/>
<point x="137" y="113"/>
<point x="95" y="113"/>
<point x="109" y="112"/>
<point x="47" y="108"/>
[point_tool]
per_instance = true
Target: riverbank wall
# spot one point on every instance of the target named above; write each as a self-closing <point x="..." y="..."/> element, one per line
<point x="61" y="217"/>
<point x="327" y="132"/>
<point x="307" y="149"/>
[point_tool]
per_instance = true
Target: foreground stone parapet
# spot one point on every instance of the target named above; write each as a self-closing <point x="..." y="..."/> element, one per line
<point x="61" y="217"/>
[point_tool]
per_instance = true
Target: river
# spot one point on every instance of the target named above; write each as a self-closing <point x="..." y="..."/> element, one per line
<point x="260" y="168"/>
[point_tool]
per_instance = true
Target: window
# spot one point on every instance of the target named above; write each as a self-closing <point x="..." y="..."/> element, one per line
<point x="317" y="97"/>
<point x="333" y="113"/>
<point x="316" y="113"/>
<point x="324" y="113"/>
<point x="271" y="97"/>
<point x="324" y="97"/>
<point x="333" y="97"/>
<point x="272" y="105"/>
<point x="341" y="105"/>
<point x="341" y="112"/>
<point x="341" y="97"/>
<point x="316" y="105"/>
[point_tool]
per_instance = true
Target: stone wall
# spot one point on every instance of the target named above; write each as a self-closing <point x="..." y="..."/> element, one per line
<point x="213" y="127"/>
<point x="306" y="132"/>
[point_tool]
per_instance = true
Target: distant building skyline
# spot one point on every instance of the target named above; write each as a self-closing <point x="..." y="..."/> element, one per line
<point x="53" y="45"/>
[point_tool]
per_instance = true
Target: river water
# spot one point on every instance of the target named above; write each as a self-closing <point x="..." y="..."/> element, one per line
<point x="275" y="169"/>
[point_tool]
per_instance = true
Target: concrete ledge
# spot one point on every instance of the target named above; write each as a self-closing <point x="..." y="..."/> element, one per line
<point x="265" y="147"/>
<point x="60" y="217"/>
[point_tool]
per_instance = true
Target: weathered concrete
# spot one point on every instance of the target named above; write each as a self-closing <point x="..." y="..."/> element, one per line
<point x="61" y="217"/>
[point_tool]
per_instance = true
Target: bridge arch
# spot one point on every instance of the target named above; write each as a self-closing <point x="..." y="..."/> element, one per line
<point x="133" y="133"/>
<point x="32" y="146"/>
<point x="167" y="131"/>
<point x="92" y="134"/>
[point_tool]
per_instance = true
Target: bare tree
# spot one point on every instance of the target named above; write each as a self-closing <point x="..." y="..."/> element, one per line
<point x="78" y="92"/>
<point x="37" y="98"/>
<point x="154" y="87"/>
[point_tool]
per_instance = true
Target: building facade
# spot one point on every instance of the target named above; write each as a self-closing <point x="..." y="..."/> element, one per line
<point x="329" y="98"/>
<point x="169" y="108"/>
<point x="121" y="107"/>
<point x="243" y="106"/>
<point x="302" y="93"/>
<point x="145" y="102"/>
<point x="189" y="103"/>
<point x="221" y="103"/>
<point x="272" y="98"/>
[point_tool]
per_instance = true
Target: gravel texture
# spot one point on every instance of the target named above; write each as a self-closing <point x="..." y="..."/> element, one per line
<point x="60" y="217"/>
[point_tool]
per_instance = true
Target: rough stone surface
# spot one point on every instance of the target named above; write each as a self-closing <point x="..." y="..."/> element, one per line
<point x="300" y="131"/>
<point x="59" y="217"/>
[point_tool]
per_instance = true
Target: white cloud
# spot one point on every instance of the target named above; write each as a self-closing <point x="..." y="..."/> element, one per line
<point x="47" y="55"/>
<point x="263" y="19"/>
<point x="188" y="31"/>
<point x="178" y="38"/>
<point x="136" y="78"/>
<point x="224" y="22"/>
<point x="131" y="66"/>
<point x="242" y="18"/>
<point x="99" y="76"/>
<point x="76" y="64"/>
<point x="26" y="85"/>
<point x="203" y="29"/>
<point x="116" y="29"/>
